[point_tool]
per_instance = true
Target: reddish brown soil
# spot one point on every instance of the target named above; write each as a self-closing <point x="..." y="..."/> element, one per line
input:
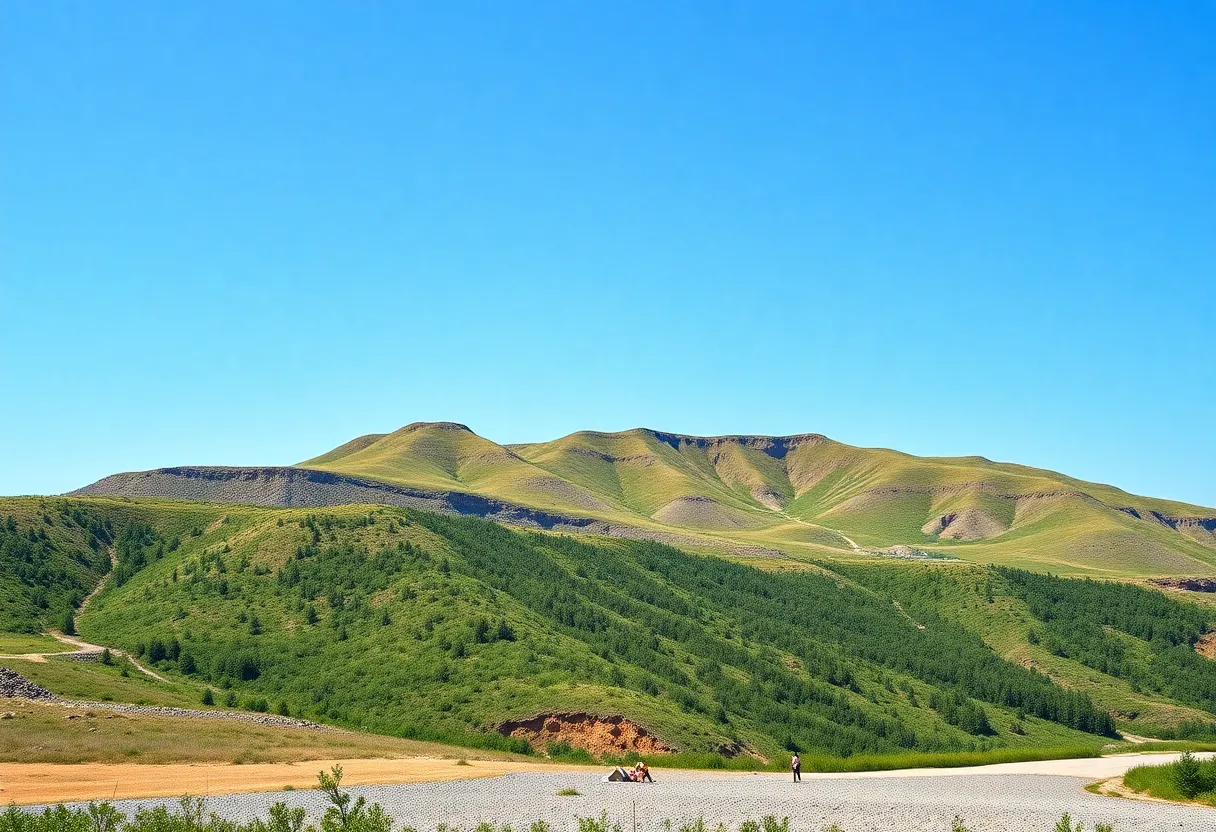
<point x="596" y="734"/>
<point x="1206" y="646"/>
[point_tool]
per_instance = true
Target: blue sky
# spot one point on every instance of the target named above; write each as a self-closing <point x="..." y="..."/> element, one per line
<point x="243" y="233"/>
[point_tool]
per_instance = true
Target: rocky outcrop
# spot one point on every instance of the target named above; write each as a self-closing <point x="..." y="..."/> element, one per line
<point x="269" y="720"/>
<point x="777" y="447"/>
<point x="1188" y="584"/>
<point x="1206" y="524"/>
<point x="309" y="488"/>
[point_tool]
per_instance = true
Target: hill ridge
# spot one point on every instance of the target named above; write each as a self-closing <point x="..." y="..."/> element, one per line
<point x="799" y="495"/>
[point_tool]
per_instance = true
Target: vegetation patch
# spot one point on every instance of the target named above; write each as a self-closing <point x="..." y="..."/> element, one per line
<point x="1187" y="779"/>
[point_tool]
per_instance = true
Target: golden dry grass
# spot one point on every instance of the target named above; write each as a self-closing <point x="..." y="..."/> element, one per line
<point x="34" y="783"/>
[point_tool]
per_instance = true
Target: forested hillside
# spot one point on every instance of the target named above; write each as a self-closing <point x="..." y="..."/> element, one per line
<point x="52" y="553"/>
<point x="1130" y="648"/>
<point x="438" y="627"/>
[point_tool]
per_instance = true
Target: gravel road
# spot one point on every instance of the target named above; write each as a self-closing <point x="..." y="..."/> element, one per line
<point x="1008" y="803"/>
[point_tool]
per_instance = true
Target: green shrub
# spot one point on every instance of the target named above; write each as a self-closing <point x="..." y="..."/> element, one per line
<point x="600" y="824"/>
<point x="1064" y="824"/>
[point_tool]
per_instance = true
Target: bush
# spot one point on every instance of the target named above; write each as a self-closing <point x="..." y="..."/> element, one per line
<point x="1188" y="777"/>
<point x="69" y="624"/>
<point x="208" y="697"/>
<point x="599" y="824"/>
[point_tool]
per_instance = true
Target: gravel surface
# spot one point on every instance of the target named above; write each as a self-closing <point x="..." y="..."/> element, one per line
<point x="190" y="713"/>
<point x="987" y="803"/>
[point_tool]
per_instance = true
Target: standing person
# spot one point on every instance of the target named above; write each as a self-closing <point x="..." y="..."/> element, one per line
<point x="645" y="772"/>
<point x="796" y="767"/>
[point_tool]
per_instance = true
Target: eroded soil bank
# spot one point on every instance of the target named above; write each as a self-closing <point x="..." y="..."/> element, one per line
<point x="596" y="734"/>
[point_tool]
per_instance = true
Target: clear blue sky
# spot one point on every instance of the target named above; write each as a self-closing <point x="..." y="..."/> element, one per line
<point x="242" y="233"/>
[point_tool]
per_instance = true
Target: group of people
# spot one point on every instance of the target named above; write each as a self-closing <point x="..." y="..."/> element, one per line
<point x="640" y="773"/>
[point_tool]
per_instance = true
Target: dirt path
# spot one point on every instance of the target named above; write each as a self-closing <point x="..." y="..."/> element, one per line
<point x="852" y="543"/>
<point x="83" y="647"/>
<point x="105" y="579"/>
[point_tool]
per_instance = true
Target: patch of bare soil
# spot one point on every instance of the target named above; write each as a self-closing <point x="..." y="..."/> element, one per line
<point x="968" y="524"/>
<point x="596" y="734"/>
<point x="703" y="513"/>
<point x="1206" y="646"/>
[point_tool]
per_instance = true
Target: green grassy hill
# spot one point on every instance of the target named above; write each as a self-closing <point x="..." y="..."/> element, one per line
<point x="444" y="628"/>
<point x="805" y="496"/>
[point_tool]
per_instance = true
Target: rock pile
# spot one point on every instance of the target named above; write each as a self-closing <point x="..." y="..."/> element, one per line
<point x="273" y="720"/>
<point x="15" y="686"/>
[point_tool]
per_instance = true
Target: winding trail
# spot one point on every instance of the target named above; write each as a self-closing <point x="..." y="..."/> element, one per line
<point x="852" y="543"/>
<point x="84" y="648"/>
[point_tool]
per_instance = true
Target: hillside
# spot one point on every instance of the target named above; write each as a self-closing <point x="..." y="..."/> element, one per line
<point x="801" y="497"/>
<point x="51" y="557"/>
<point x="460" y="630"/>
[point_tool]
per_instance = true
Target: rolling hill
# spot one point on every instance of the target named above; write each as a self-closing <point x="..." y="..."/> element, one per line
<point x="800" y="497"/>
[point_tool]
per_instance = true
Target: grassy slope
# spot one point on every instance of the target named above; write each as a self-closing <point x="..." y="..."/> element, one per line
<point x="409" y="677"/>
<point x="728" y="491"/>
<point x="18" y="643"/>
<point x="39" y="733"/>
